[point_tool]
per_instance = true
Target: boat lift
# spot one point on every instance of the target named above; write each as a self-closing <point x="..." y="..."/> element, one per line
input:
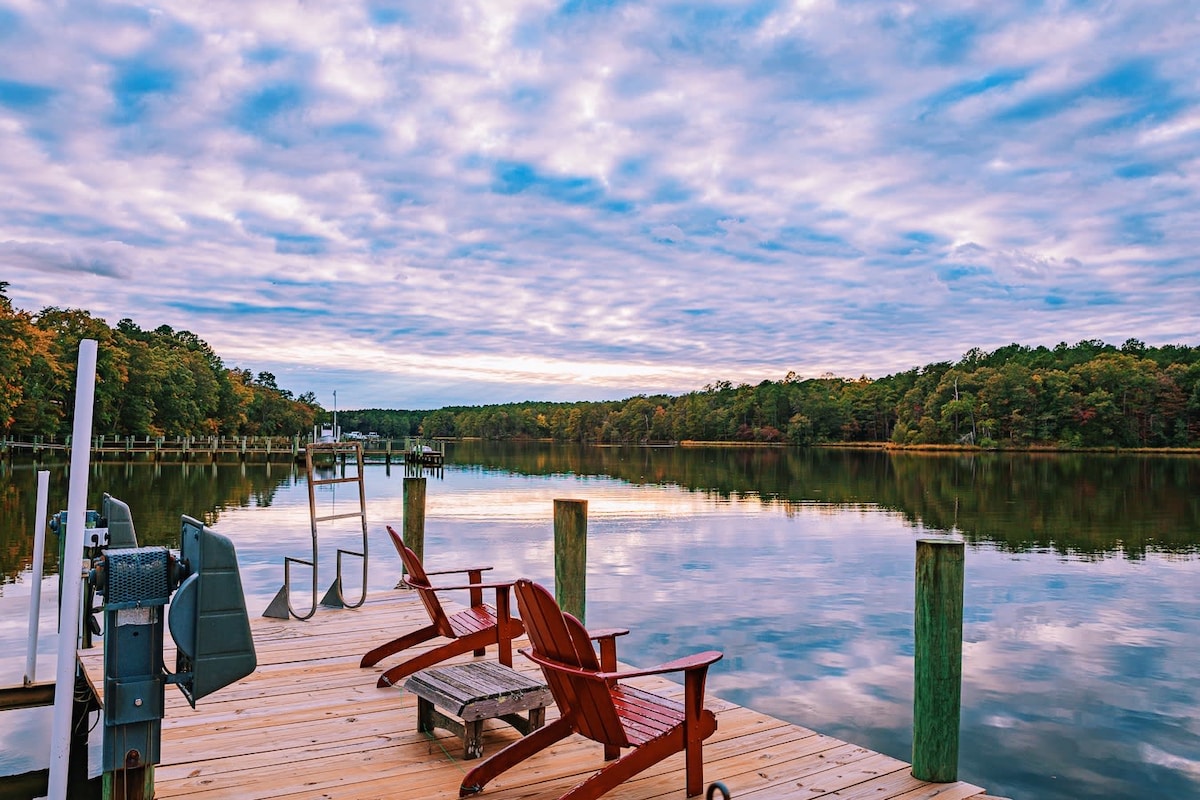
<point x="345" y="454"/>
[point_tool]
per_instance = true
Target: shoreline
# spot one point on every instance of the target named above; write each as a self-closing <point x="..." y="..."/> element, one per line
<point x="947" y="448"/>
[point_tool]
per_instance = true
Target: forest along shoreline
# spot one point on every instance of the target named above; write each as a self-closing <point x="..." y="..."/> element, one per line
<point x="163" y="382"/>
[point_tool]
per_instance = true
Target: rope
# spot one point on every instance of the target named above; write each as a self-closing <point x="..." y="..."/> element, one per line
<point x="429" y="735"/>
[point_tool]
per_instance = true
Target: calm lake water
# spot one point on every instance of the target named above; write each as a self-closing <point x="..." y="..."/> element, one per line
<point x="1082" y="621"/>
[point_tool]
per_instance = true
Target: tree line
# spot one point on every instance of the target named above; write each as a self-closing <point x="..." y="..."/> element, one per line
<point x="160" y="382"/>
<point x="1090" y="394"/>
<point x="168" y="382"/>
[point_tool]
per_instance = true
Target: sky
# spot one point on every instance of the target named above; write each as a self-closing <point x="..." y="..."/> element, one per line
<point x="420" y="204"/>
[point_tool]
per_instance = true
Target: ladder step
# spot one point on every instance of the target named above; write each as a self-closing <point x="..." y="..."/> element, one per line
<point x="355" y="514"/>
<point x="324" y="481"/>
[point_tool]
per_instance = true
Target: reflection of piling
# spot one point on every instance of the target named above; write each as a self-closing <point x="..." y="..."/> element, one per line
<point x="414" y="515"/>
<point x="937" y="687"/>
<point x="570" y="555"/>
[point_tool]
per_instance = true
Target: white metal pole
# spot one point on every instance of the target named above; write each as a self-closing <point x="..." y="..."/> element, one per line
<point x="70" y="569"/>
<point x="35" y="588"/>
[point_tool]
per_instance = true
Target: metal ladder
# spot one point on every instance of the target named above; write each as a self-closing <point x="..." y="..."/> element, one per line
<point x="281" y="606"/>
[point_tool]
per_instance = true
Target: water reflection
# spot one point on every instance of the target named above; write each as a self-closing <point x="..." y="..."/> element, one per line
<point x="1090" y="504"/>
<point x="159" y="493"/>
<point x="798" y="565"/>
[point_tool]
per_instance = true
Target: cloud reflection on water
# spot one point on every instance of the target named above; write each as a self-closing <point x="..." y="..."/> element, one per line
<point x="1076" y="676"/>
<point x="1078" y="672"/>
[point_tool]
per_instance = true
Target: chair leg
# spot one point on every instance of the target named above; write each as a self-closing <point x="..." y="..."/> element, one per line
<point x="621" y="770"/>
<point x="514" y="754"/>
<point x="404" y="642"/>
<point x="504" y="638"/>
<point x="454" y="647"/>
<point x="694" y="734"/>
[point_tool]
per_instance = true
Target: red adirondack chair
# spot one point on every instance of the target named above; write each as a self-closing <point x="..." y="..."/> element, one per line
<point x="592" y="702"/>
<point x="472" y="629"/>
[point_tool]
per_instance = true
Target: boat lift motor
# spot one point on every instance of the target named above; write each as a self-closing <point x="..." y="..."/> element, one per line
<point x="207" y="619"/>
<point x="111" y="526"/>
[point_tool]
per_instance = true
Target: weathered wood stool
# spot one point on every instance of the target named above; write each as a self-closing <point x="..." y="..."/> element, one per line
<point x="475" y="692"/>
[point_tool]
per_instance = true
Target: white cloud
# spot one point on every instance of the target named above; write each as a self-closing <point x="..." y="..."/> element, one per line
<point x="622" y="200"/>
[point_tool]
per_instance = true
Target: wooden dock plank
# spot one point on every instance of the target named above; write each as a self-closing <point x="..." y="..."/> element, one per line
<point x="310" y="723"/>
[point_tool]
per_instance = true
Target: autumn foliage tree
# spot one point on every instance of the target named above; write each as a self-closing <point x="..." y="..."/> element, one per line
<point x="148" y="383"/>
<point x="168" y="382"/>
<point x="1090" y="394"/>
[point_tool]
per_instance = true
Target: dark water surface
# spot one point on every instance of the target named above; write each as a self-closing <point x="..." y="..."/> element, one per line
<point x="1082" y="629"/>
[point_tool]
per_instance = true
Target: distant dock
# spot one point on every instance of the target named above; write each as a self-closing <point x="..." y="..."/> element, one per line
<point x="213" y="449"/>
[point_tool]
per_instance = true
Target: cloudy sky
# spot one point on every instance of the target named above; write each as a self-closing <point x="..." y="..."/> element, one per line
<point x="428" y="203"/>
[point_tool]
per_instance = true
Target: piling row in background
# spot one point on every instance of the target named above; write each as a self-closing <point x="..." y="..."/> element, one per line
<point x="202" y="448"/>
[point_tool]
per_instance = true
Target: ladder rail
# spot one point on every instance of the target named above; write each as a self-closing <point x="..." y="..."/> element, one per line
<point x="281" y="607"/>
<point x="336" y="597"/>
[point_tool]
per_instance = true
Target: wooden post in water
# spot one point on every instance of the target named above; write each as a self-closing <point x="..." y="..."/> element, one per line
<point x="414" y="515"/>
<point x="570" y="556"/>
<point x="937" y="669"/>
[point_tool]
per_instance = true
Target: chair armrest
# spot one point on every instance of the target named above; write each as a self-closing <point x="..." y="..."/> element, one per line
<point x="607" y="633"/>
<point x="685" y="664"/>
<point x="452" y="571"/>
<point x="446" y="588"/>
<point x="607" y="639"/>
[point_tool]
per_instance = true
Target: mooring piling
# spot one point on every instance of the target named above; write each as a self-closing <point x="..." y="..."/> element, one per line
<point x="937" y="669"/>
<point x="570" y="556"/>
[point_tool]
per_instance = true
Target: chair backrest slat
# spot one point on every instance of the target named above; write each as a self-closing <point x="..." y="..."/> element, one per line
<point x="562" y="638"/>
<point x="420" y="581"/>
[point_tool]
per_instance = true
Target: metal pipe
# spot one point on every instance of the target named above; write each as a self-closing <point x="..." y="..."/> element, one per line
<point x="70" y="568"/>
<point x="39" y="555"/>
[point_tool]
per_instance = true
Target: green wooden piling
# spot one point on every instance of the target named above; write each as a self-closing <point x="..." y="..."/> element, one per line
<point x="570" y="556"/>
<point x="414" y="515"/>
<point x="937" y="686"/>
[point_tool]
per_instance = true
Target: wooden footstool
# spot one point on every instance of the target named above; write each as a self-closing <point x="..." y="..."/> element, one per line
<point x="475" y="692"/>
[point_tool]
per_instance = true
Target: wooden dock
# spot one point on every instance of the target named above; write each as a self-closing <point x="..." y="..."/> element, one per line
<point x="216" y="449"/>
<point x="309" y="723"/>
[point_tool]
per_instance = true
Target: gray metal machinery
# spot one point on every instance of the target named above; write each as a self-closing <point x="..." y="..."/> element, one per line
<point x="207" y="619"/>
<point x="111" y="526"/>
